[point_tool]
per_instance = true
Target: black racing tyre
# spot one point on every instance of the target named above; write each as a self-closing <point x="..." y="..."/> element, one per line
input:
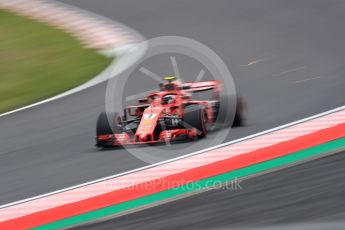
<point x="103" y="126"/>
<point x="223" y="114"/>
<point x="195" y="117"/>
<point x="238" y="119"/>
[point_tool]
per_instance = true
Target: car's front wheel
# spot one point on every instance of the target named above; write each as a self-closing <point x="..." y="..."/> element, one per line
<point x="108" y="123"/>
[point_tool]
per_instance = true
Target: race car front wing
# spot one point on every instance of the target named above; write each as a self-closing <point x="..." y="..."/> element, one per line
<point x="166" y="136"/>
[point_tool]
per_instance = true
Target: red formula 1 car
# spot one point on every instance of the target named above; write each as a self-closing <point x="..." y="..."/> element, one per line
<point x="168" y="115"/>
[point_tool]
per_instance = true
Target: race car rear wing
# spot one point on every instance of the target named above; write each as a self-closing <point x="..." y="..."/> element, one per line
<point x="202" y="86"/>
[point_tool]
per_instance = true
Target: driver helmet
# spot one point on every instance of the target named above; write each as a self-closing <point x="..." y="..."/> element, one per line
<point x="168" y="99"/>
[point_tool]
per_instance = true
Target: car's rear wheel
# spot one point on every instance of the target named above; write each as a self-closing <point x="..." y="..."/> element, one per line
<point x="195" y="117"/>
<point x="239" y="119"/>
<point x="224" y="116"/>
<point x="108" y="123"/>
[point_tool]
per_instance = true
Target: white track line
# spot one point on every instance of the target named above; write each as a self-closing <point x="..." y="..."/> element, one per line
<point x="174" y="159"/>
<point x="161" y="171"/>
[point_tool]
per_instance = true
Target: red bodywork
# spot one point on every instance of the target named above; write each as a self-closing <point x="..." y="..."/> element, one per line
<point x="155" y="109"/>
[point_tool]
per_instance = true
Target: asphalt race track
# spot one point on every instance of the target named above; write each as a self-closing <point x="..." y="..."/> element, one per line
<point x="286" y="57"/>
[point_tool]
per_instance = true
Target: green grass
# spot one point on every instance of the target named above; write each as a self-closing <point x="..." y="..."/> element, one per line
<point x="38" y="61"/>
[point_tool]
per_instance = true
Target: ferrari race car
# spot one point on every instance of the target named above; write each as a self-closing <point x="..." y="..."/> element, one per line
<point x="168" y="115"/>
